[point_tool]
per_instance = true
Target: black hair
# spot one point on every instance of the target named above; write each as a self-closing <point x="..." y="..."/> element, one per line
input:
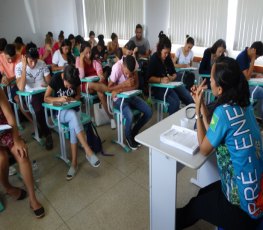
<point x="113" y="36"/>
<point x="71" y="36"/>
<point x="130" y="45"/>
<point x="101" y="40"/>
<point x="10" y="49"/>
<point x="71" y="75"/>
<point x="61" y="36"/>
<point x="129" y="62"/>
<point x="217" y="44"/>
<point x="138" y="26"/>
<point x="91" y="33"/>
<point x="31" y="51"/>
<point x="79" y="39"/>
<point x="164" y="43"/>
<point x="190" y="40"/>
<point x="234" y="84"/>
<point x="258" y="46"/>
<point x="19" y="40"/>
<point x="49" y="34"/>
<point x="3" y="43"/>
<point x="84" y="45"/>
<point x="66" y="42"/>
<point x="119" y="53"/>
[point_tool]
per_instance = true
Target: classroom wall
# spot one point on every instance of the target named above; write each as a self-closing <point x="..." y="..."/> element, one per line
<point x="34" y="18"/>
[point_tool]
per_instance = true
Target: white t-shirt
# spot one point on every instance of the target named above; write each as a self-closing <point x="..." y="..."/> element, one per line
<point x="57" y="59"/>
<point x="181" y="59"/>
<point x="34" y="77"/>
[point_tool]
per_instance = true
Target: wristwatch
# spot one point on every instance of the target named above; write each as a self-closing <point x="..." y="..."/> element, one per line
<point x="198" y="116"/>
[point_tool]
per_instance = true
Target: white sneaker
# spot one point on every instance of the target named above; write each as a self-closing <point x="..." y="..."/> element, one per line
<point x="12" y="170"/>
<point x="112" y="124"/>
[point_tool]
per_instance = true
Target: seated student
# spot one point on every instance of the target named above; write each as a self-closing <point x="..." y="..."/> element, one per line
<point x="124" y="78"/>
<point x="31" y="73"/>
<point x="57" y="44"/>
<point x="88" y="66"/>
<point x="183" y="59"/>
<point x="210" y="56"/>
<point x="161" y="70"/>
<point x="92" y="40"/>
<point x="11" y="142"/>
<point x="66" y="87"/>
<point x="8" y="61"/>
<point x="3" y="44"/>
<point x="236" y="201"/>
<point x="113" y="45"/>
<point x="72" y="40"/>
<point x="62" y="56"/>
<point x="76" y="49"/>
<point x="20" y="46"/>
<point x="45" y="52"/>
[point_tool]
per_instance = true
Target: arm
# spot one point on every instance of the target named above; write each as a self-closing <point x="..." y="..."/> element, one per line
<point x="55" y="61"/>
<point x="248" y="72"/>
<point x="80" y="65"/>
<point x="48" y="98"/>
<point x="21" y="75"/>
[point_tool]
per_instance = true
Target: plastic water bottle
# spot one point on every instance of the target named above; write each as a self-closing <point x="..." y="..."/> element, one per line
<point x="35" y="171"/>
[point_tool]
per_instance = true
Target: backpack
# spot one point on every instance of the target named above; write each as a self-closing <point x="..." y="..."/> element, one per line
<point x="93" y="139"/>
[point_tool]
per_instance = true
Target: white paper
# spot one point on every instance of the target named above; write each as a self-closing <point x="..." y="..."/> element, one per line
<point x="173" y="83"/>
<point x="5" y="127"/>
<point x="130" y="92"/>
<point x="181" y="138"/>
<point x="35" y="89"/>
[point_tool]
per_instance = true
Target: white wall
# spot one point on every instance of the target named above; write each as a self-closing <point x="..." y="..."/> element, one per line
<point x="47" y="15"/>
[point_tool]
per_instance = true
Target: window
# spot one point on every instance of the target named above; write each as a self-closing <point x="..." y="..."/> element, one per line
<point x="204" y="20"/>
<point x="118" y="16"/>
<point x="249" y="24"/>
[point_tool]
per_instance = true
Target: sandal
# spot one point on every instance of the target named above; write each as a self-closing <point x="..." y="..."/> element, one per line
<point x="23" y="194"/>
<point x="93" y="160"/>
<point x="39" y="213"/>
<point x="71" y="172"/>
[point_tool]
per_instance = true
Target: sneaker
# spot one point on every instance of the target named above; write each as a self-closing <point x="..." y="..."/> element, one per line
<point x="112" y="124"/>
<point x="71" y="172"/>
<point x="49" y="142"/>
<point x="131" y="143"/>
<point x="137" y="143"/>
<point x="93" y="160"/>
<point x="12" y="170"/>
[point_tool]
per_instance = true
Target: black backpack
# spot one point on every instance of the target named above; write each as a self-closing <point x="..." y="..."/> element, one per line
<point x="94" y="140"/>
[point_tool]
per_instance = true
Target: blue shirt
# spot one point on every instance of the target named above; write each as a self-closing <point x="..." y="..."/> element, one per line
<point x="243" y="60"/>
<point x="234" y="132"/>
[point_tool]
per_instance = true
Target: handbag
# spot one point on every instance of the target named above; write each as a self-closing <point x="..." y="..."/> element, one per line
<point x="100" y="116"/>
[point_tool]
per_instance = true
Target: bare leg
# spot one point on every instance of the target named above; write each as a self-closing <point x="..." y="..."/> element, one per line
<point x="4" y="166"/>
<point x="74" y="151"/>
<point x="82" y="139"/>
<point x="103" y="101"/>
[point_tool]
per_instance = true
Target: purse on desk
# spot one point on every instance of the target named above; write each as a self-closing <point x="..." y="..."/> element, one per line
<point x="100" y="116"/>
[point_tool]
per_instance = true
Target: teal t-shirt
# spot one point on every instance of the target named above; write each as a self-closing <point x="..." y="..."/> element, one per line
<point x="234" y="132"/>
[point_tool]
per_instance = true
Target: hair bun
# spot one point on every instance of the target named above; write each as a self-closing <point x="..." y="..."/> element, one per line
<point x="187" y="36"/>
<point x="100" y="37"/>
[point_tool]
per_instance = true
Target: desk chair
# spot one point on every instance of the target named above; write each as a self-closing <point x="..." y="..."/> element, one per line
<point x="27" y="96"/>
<point x="119" y="115"/>
<point x="162" y="105"/>
<point x="13" y="103"/>
<point x="89" y="98"/>
<point x="62" y="128"/>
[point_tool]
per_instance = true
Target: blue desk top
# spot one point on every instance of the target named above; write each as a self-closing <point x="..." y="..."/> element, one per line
<point x="170" y="85"/>
<point x="256" y="82"/>
<point x="31" y="92"/>
<point x="185" y="69"/>
<point x="126" y="94"/>
<point x="204" y="75"/>
<point x="66" y="105"/>
<point x="90" y="79"/>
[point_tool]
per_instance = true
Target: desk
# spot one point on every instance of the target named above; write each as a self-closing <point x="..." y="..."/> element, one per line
<point x="163" y="167"/>
<point x="13" y="103"/>
<point x="63" y="151"/>
<point x="28" y="99"/>
<point x="89" y="98"/>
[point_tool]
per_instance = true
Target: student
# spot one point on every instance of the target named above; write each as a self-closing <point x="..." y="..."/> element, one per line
<point x="92" y="40"/>
<point x="210" y="56"/>
<point x="57" y="44"/>
<point x="45" y="52"/>
<point x="20" y="46"/>
<point x="183" y="59"/>
<point x="62" y="56"/>
<point x="161" y="70"/>
<point x="113" y="45"/>
<point x="140" y="42"/>
<point x="66" y="87"/>
<point x="3" y="44"/>
<point x="72" y="40"/>
<point x="31" y="73"/>
<point x="11" y="142"/>
<point x="123" y="78"/>
<point x="88" y="66"/>
<point x="235" y="201"/>
<point x="100" y="50"/>
<point x="76" y="49"/>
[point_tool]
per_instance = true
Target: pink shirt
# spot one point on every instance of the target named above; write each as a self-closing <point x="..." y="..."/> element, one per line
<point x="8" y="68"/>
<point x="96" y="65"/>
<point x="48" y="59"/>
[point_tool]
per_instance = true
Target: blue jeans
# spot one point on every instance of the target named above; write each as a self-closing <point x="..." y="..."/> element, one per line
<point x="173" y="97"/>
<point x="128" y="105"/>
<point x="258" y="94"/>
<point x="72" y="117"/>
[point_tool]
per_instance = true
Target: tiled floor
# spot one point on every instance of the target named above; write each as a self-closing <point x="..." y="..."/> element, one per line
<point x="114" y="196"/>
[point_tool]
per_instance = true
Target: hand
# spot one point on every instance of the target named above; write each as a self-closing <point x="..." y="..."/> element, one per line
<point x="82" y="55"/>
<point x="165" y="80"/>
<point x="24" y="61"/>
<point x="186" y="66"/>
<point x="63" y="99"/>
<point x="197" y="93"/>
<point x="4" y="80"/>
<point x="20" y="148"/>
<point x="113" y="94"/>
<point x="129" y="82"/>
<point x="135" y="50"/>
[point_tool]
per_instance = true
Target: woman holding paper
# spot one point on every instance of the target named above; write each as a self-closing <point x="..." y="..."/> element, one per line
<point x="236" y="201"/>
<point x="11" y="142"/>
